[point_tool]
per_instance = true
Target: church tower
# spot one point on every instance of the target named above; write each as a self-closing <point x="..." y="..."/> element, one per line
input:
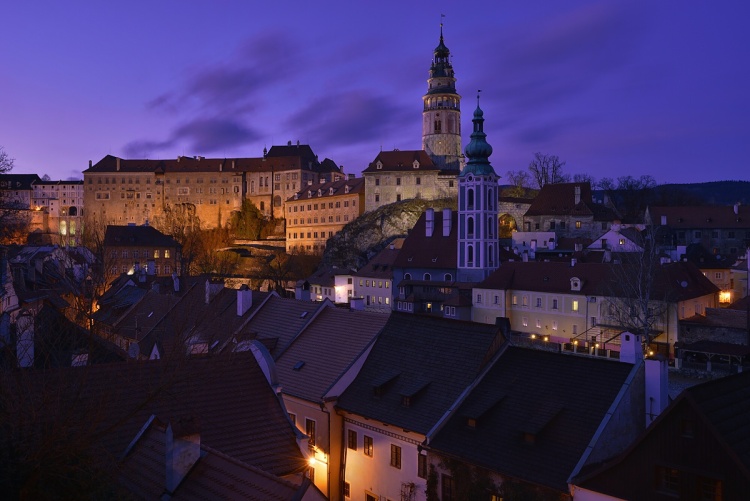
<point x="441" y="116"/>
<point x="478" y="252"/>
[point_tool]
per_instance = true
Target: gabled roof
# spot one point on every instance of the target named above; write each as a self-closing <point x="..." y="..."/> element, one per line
<point x="447" y="354"/>
<point x="214" y="475"/>
<point x="381" y="265"/>
<point x="278" y="322"/>
<point x="330" y="189"/>
<point x="325" y="349"/>
<point x="137" y="236"/>
<point x="401" y="160"/>
<point x="437" y="251"/>
<point x="526" y="426"/>
<point x="673" y="281"/>
<point x="326" y="275"/>
<point x="102" y="407"/>
<point x="720" y="317"/>
<point x="559" y="199"/>
<point x="703" y="216"/>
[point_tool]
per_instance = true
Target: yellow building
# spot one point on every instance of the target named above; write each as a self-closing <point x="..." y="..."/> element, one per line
<point x="319" y="211"/>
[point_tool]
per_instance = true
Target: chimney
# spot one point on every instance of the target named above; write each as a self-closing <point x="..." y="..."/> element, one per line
<point x="447" y="222"/>
<point x="429" y="222"/>
<point x="244" y="299"/>
<point x="630" y="348"/>
<point x="233" y="165"/>
<point x="357" y="303"/>
<point x="183" y="448"/>
<point x="525" y="256"/>
<point x="89" y="164"/>
<point x="572" y="262"/>
<point x="150" y="267"/>
<point x="142" y="275"/>
<point x="118" y="163"/>
<point x="577" y="195"/>
<point x="664" y="220"/>
<point x="175" y="281"/>
<point x="736" y="209"/>
<point x="212" y="289"/>
<point x="657" y="396"/>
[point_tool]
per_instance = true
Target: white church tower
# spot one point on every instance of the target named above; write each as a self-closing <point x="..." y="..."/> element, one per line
<point x="441" y="115"/>
<point x="478" y="253"/>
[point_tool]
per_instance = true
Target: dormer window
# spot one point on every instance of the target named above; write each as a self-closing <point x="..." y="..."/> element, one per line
<point x="347" y="188"/>
<point x="416" y="164"/>
<point x="309" y="194"/>
<point x="320" y="193"/>
<point x="575" y="284"/>
<point x="330" y="191"/>
<point x="379" y="165"/>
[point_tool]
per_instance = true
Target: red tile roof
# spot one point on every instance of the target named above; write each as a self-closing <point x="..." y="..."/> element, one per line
<point x="437" y="251"/>
<point x="401" y="160"/>
<point x="704" y="216"/>
<point x="339" y="188"/>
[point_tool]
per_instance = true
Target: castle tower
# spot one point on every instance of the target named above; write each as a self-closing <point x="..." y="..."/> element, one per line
<point x="441" y="117"/>
<point x="478" y="252"/>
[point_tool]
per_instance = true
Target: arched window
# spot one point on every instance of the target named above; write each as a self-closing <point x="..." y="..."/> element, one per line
<point x="63" y="228"/>
<point x="489" y="199"/>
<point x="407" y="276"/>
<point x="73" y="211"/>
<point x="72" y="227"/>
<point x="448" y="277"/>
<point x="490" y="226"/>
<point x="490" y="258"/>
<point x="470" y="255"/>
<point x="470" y="227"/>
<point x="438" y="126"/>
<point x="427" y="277"/>
<point x="470" y="198"/>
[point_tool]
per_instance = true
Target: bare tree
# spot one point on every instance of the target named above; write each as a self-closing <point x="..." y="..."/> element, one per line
<point x="547" y="169"/>
<point x="14" y="217"/>
<point x="584" y="178"/>
<point x="520" y="181"/>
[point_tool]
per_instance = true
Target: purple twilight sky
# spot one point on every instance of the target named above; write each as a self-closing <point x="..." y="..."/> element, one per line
<point x="612" y="87"/>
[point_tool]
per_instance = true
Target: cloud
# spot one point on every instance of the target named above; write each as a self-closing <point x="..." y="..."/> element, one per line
<point x="234" y="85"/>
<point x="350" y="117"/>
<point x="214" y="134"/>
<point x="144" y="148"/>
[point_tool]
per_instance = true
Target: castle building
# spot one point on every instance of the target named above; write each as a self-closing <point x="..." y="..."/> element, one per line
<point x="124" y="191"/>
<point x="478" y="247"/>
<point x="429" y="173"/>
<point x="318" y="211"/>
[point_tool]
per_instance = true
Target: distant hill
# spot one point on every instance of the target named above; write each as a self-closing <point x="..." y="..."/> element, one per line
<point x="364" y="237"/>
<point x="714" y="192"/>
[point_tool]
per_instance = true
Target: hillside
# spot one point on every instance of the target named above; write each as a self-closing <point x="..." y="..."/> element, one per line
<point x="364" y="237"/>
<point x="715" y="192"/>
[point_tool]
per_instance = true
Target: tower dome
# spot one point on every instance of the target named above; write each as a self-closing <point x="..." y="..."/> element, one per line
<point x="478" y="150"/>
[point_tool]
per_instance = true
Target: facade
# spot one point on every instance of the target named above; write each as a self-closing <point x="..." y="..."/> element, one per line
<point x="400" y="175"/>
<point x="579" y="304"/>
<point x="319" y="211"/>
<point x="478" y="246"/>
<point x="61" y="203"/>
<point x="124" y="191"/>
<point x="374" y="281"/>
<point x="723" y="230"/>
<point x="130" y="249"/>
<point x="441" y="117"/>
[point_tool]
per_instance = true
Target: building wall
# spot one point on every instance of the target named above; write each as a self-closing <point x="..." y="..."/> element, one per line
<point x="123" y="259"/>
<point x="300" y="411"/>
<point x="377" y="292"/>
<point x="566" y="226"/>
<point x="374" y="474"/>
<point x="387" y="187"/>
<point x="311" y="221"/>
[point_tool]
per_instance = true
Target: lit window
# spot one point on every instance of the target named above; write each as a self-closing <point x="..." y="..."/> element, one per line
<point x="310" y="430"/>
<point x="554" y="325"/>
<point x="368" y="445"/>
<point x="575" y="305"/>
<point x="166" y="253"/>
<point x="156" y="253"/>
<point x="525" y="322"/>
<point x="578" y="225"/>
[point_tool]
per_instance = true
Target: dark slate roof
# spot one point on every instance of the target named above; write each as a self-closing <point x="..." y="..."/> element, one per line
<point x="597" y="279"/>
<point x="278" y="159"/>
<point x="720" y="317"/>
<point x="339" y="188"/>
<point x="519" y="395"/>
<point x="381" y="265"/>
<point x="401" y="160"/>
<point x="105" y="405"/>
<point x="278" y="322"/>
<point x="326" y="348"/>
<point x="437" y="251"/>
<point x="326" y="276"/>
<point x="137" y="236"/>
<point x="740" y="304"/>
<point x="441" y="357"/>
<point x="559" y="199"/>
<point x="214" y="476"/>
<point x="725" y="403"/>
<point x="704" y="216"/>
<point x="18" y="181"/>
